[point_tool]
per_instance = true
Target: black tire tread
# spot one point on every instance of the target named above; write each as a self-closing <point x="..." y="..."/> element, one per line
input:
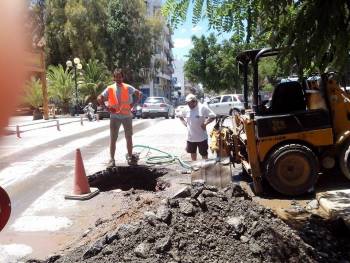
<point x="313" y="160"/>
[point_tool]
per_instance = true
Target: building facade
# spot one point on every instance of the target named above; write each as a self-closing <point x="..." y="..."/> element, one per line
<point x="160" y="83"/>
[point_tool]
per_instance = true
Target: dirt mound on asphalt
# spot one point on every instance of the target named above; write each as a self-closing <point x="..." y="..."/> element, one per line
<point x="202" y="224"/>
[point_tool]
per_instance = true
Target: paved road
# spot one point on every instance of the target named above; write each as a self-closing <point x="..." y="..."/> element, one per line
<point x="37" y="177"/>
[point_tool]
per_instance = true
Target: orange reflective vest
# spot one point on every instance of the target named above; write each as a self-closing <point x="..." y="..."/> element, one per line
<point x="116" y="106"/>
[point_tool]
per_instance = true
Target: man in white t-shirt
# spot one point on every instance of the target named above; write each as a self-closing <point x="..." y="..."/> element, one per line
<point x="196" y="118"/>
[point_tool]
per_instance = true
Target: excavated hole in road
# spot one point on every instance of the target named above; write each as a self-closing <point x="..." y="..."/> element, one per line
<point x="127" y="177"/>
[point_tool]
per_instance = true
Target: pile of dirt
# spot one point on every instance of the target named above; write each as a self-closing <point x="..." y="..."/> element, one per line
<point x="203" y="224"/>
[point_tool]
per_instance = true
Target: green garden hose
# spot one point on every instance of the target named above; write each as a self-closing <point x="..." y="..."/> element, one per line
<point x="165" y="158"/>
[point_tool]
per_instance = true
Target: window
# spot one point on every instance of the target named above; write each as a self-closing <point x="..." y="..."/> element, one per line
<point x="154" y="100"/>
<point x="156" y="80"/>
<point x="215" y="100"/>
<point x="240" y="98"/>
<point x="226" y="99"/>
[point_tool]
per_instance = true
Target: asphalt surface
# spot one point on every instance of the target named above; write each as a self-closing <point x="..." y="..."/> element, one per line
<point x="37" y="170"/>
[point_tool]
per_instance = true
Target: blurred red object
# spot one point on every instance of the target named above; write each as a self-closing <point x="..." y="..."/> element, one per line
<point x="12" y="70"/>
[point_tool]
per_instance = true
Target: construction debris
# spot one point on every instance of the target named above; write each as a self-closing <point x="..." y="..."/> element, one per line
<point x="211" y="225"/>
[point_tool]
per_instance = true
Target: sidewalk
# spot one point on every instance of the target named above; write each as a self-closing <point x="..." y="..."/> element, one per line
<point x="38" y="132"/>
<point x="26" y="123"/>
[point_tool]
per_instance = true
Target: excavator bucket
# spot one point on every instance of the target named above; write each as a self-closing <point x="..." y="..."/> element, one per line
<point x="218" y="171"/>
<point x="5" y="208"/>
<point x="213" y="172"/>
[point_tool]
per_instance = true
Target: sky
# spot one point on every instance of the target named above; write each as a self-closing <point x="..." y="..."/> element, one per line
<point x="183" y="34"/>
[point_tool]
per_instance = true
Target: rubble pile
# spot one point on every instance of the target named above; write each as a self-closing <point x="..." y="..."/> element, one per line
<point x="203" y="224"/>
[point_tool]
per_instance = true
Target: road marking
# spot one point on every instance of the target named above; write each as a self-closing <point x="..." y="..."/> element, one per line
<point x="12" y="252"/>
<point x="40" y="223"/>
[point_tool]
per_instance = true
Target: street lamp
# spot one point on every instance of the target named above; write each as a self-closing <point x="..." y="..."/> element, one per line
<point x="76" y="65"/>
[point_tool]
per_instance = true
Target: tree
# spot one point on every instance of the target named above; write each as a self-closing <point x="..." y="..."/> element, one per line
<point x="34" y="97"/>
<point x="131" y="38"/>
<point x="61" y="84"/>
<point x="95" y="78"/>
<point x="318" y="30"/>
<point x="85" y="28"/>
<point x="212" y="64"/>
<point x="75" y="29"/>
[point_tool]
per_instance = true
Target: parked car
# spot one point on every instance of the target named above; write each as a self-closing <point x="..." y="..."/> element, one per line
<point x="102" y="112"/>
<point x="136" y="111"/>
<point x="179" y="110"/>
<point x="224" y="104"/>
<point x="157" y="107"/>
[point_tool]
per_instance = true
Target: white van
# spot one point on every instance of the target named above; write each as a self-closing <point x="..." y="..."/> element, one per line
<point x="222" y="105"/>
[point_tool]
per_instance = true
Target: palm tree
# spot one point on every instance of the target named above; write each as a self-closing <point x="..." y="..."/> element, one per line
<point x="61" y="85"/>
<point x="34" y="97"/>
<point x="95" y="77"/>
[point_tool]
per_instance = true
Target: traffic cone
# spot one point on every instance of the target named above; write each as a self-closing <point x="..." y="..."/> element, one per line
<point x="81" y="185"/>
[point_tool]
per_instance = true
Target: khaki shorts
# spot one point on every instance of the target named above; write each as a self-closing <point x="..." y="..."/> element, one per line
<point x="114" y="126"/>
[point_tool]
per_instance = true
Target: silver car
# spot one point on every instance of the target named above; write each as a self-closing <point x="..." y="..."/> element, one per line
<point x="157" y="107"/>
<point x="222" y="105"/>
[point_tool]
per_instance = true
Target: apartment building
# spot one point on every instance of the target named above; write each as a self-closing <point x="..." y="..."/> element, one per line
<point x="162" y="61"/>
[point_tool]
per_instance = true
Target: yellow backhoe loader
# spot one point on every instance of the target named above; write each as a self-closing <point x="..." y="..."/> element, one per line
<point x="304" y="130"/>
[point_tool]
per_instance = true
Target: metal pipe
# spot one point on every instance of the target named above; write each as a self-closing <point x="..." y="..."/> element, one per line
<point x="256" y="87"/>
<point x="58" y="125"/>
<point x="18" y="132"/>
<point x="245" y="85"/>
<point x="76" y="88"/>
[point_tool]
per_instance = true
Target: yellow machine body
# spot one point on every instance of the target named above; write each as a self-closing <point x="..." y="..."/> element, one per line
<point x="327" y="118"/>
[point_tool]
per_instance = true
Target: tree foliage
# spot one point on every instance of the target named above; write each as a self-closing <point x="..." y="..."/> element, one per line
<point x="95" y="77"/>
<point x="60" y="85"/>
<point x="319" y="30"/>
<point x="33" y="93"/>
<point x="116" y="32"/>
<point x="131" y="38"/>
<point x="212" y="64"/>
<point x="75" y="29"/>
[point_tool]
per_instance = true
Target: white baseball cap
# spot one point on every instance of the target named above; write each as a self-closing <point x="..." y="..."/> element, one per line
<point x="190" y="97"/>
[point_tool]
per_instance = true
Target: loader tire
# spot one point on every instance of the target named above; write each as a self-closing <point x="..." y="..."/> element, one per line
<point x="344" y="160"/>
<point x="292" y="169"/>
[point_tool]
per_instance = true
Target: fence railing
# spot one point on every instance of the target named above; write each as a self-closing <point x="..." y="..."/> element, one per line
<point x="45" y="124"/>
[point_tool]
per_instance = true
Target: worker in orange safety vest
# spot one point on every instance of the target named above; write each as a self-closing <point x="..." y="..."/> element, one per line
<point x="121" y="97"/>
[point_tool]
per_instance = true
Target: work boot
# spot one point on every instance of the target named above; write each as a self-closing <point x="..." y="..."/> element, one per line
<point x="111" y="163"/>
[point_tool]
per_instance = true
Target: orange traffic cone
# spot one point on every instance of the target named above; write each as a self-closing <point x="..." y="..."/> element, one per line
<point x="81" y="185"/>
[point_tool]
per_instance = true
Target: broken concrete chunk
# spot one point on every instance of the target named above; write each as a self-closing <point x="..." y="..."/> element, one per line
<point x="107" y="250"/>
<point x="150" y="218"/>
<point x="184" y="192"/>
<point x="255" y="248"/>
<point x="112" y="236"/>
<point x="244" y="239"/>
<point x="201" y="201"/>
<point x="126" y="230"/>
<point x="142" y="250"/>
<point x="186" y="208"/>
<point x="173" y="203"/>
<point x="95" y="248"/>
<point x="208" y="193"/>
<point x="164" y="214"/>
<point x="237" y="223"/>
<point x="211" y="188"/>
<point x="163" y="245"/>
<point x="312" y="205"/>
